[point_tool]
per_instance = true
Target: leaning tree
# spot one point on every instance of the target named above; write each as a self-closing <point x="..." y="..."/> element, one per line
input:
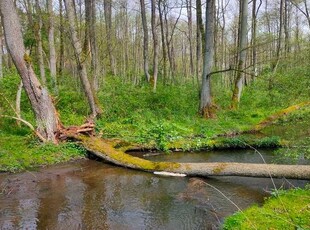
<point x="47" y="118"/>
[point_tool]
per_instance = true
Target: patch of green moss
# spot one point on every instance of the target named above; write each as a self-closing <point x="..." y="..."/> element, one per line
<point x="98" y="145"/>
<point x="219" y="168"/>
<point x="288" y="210"/>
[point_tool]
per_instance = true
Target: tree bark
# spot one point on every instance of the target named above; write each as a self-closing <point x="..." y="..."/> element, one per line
<point x="200" y="24"/>
<point x="108" y="23"/>
<point x="38" y="27"/>
<point x="206" y="106"/>
<point x="107" y="152"/>
<point x="51" y="43"/>
<point x="90" y="33"/>
<point x="47" y="118"/>
<point x="163" y="43"/>
<point x="242" y="54"/>
<point x="1" y="53"/>
<point x="145" y="42"/>
<point x="190" y="34"/>
<point x="91" y="98"/>
<point x="155" y="45"/>
<point x="61" y="40"/>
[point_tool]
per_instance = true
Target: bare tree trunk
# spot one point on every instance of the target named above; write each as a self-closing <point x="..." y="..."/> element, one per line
<point x="61" y="40"/>
<point x="155" y="45"/>
<point x="90" y="33"/>
<point x="47" y="119"/>
<point x="164" y="48"/>
<point x="108" y="23"/>
<point x="198" y="40"/>
<point x="17" y="102"/>
<point x="206" y="107"/>
<point x="51" y="43"/>
<point x="242" y="54"/>
<point x="200" y="24"/>
<point x="91" y="98"/>
<point x="1" y="52"/>
<point x="254" y="30"/>
<point x="38" y="28"/>
<point x="286" y="25"/>
<point x="145" y="42"/>
<point x="190" y="34"/>
<point x="279" y="44"/>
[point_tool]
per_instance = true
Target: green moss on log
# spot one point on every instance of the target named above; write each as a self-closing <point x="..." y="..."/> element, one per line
<point x="101" y="147"/>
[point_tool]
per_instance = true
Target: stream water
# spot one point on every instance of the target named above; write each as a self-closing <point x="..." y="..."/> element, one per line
<point x="87" y="194"/>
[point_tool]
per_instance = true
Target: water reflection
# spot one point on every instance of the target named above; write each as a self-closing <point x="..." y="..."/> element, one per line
<point x="93" y="195"/>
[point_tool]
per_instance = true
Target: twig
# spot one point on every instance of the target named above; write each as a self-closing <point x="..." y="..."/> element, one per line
<point x="27" y="124"/>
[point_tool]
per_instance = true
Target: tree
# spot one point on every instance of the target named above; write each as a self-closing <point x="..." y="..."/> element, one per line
<point x="108" y="25"/>
<point x="91" y="97"/>
<point x="145" y="42"/>
<point x="38" y="31"/>
<point x="155" y="45"/>
<point x="90" y="15"/>
<point x="238" y="84"/>
<point x="206" y="106"/>
<point x="47" y="118"/>
<point x="61" y="39"/>
<point x="1" y="53"/>
<point x="51" y="43"/>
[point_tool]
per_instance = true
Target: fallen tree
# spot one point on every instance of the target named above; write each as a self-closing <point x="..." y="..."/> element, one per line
<point x="106" y="151"/>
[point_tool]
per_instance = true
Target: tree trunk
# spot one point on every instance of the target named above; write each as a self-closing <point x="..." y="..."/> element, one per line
<point x="108" y="23"/>
<point x="190" y="34"/>
<point x="38" y="27"/>
<point x="145" y="42"/>
<point x="17" y="102"/>
<point x="206" y="107"/>
<point x="155" y="45"/>
<point x="90" y="33"/>
<point x="242" y="54"/>
<point x="91" y="98"/>
<point x="107" y="152"/>
<point x="61" y="40"/>
<point x="163" y="39"/>
<point x="1" y="53"/>
<point x="46" y="115"/>
<point x="51" y="44"/>
<point x="200" y="24"/>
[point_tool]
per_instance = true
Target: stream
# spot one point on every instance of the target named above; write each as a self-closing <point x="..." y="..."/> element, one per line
<point x="87" y="194"/>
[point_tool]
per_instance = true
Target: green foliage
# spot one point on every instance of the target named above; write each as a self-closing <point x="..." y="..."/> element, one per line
<point x="283" y="210"/>
<point x="21" y="153"/>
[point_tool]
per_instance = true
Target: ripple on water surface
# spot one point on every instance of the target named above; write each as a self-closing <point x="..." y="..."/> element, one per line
<point x="92" y="195"/>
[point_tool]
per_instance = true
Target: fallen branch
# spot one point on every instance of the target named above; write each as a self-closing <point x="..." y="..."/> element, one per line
<point x="27" y="124"/>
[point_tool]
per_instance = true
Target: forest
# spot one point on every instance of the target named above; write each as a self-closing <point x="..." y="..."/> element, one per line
<point x="102" y="78"/>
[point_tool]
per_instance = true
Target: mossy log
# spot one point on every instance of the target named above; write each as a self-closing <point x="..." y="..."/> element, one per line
<point x="107" y="152"/>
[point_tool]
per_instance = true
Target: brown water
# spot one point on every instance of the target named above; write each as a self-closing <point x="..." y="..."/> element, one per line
<point x="92" y="195"/>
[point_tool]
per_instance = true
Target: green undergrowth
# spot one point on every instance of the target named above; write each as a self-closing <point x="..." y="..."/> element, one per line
<point x="168" y="119"/>
<point x="19" y="153"/>
<point x="284" y="210"/>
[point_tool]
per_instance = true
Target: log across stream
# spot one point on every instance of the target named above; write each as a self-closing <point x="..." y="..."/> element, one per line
<point x="106" y="151"/>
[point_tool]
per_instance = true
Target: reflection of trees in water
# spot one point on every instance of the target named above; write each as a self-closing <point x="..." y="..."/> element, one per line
<point x="98" y="196"/>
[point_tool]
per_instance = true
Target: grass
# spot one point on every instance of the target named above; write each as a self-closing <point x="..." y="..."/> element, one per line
<point x="163" y="120"/>
<point x="19" y="153"/>
<point x="286" y="210"/>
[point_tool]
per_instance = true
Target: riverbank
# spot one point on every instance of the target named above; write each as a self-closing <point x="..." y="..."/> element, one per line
<point x="283" y="210"/>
